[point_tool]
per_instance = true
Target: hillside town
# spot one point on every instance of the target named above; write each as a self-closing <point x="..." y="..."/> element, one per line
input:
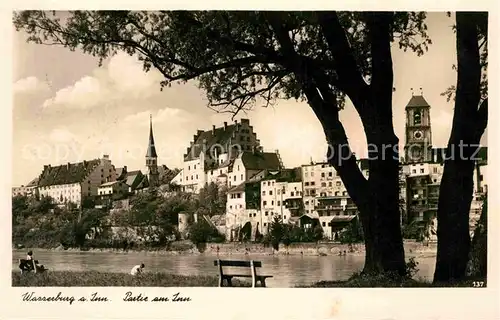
<point x="258" y="188"/>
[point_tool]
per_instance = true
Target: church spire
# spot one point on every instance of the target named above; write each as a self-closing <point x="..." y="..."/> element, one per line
<point x="151" y="153"/>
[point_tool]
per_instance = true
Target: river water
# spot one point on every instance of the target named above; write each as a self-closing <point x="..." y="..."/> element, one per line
<point x="288" y="271"/>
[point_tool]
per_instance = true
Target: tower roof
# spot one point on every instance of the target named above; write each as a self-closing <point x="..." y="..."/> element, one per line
<point x="417" y="101"/>
<point x="151" y="153"/>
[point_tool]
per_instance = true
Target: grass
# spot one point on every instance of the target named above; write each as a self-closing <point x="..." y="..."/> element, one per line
<point x="108" y="279"/>
<point x="385" y="281"/>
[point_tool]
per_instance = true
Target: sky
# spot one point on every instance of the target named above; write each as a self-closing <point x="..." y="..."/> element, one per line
<point x="67" y="109"/>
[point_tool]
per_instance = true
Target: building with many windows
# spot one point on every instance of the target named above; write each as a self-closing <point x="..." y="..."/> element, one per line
<point x="72" y="182"/>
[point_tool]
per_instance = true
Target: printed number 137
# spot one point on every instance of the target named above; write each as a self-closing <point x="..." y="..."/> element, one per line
<point x="478" y="284"/>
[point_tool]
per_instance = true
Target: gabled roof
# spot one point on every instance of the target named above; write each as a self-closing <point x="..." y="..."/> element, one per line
<point x="67" y="173"/>
<point x="209" y="138"/>
<point x="417" y="101"/>
<point x="260" y="160"/>
<point x="133" y="178"/>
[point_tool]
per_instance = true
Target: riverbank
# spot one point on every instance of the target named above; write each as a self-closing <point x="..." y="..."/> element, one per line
<point x="412" y="248"/>
<point x="109" y="279"/>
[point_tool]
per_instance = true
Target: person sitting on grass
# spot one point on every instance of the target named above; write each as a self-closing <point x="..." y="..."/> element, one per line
<point x="138" y="269"/>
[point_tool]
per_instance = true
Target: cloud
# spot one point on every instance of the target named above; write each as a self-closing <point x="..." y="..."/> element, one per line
<point x="62" y="135"/>
<point x="121" y="81"/>
<point x="166" y="115"/>
<point x="30" y="85"/>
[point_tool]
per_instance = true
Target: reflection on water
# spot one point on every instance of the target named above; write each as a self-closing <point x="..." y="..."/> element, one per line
<point x="287" y="271"/>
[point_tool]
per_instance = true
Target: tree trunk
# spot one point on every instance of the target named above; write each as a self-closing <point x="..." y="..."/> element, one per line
<point x="479" y="249"/>
<point x="456" y="188"/>
<point x="453" y="221"/>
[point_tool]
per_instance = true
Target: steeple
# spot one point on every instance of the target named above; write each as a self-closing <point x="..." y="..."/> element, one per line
<point x="151" y="153"/>
<point x="152" y="158"/>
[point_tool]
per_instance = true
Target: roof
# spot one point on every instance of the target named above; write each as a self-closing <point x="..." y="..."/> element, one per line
<point x="343" y="218"/>
<point x="151" y="153"/>
<point x="107" y="184"/>
<point x="238" y="188"/>
<point x="33" y="183"/>
<point x="133" y="178"/>
<point x="209" y="138"/>
<point x="417" y="101"/>
<point x="310" y="215"/>
<point x="285" y="175"/>
<point x="261" y="160"/>
<point x="67" y="173"/>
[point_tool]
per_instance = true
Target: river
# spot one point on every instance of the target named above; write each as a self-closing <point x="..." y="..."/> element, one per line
<point x="288" y="271"/>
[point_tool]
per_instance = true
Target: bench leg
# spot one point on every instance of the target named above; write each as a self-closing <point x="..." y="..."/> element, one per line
<point x="263" y="282"/>
<point x="229" y="282"/>
<point x="221" y="280"/>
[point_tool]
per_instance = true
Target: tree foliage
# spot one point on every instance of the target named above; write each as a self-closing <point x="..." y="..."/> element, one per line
<point x="234" y="56"/>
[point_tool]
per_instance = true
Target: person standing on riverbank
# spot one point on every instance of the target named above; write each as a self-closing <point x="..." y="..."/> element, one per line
<point x="138" y="269"/>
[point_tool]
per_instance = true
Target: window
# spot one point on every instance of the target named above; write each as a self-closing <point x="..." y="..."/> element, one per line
<point x="284" y="217"/>
<point x="230" y="207"/>
<point x="264" y="193"/>
<point x="306" y="183"/>
<point x="265" y="224"/>
<point x="480" y="177"/>
<point x="312" y="183"/>
<point x="279" y="203"/>
<point x="323" y="184"/>
<point x="272" y="202"/>
<point x="414" y="171"/>
<point x="249" y="215"/>
<point x="254" y="214"/>
<point x="266" y="213"/>
<point x="306" y="174"/>
<point x="270" y="192"/>
<point x="338" y="183"/>
<point x="196" y="177"/>
<point x="417" y="118"/>
<point x="241" y="177"/>
<point x="264" y="202"/>
<point x="322" y="174"/>
<point x="312" y="174"/>
<point x="330" y="184"/>
<point x="189" y="167"/>
<point x="234" y="178"/>
<point x="330" y="174"/>
<point x="238" y="167"/>
<point x="291" y="194"/>
<point x="194" y="167"/>
<point x="422" y="170"/>
<point x="324" y="224"/>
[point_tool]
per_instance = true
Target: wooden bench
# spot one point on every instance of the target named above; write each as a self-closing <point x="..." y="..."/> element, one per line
<point x="252" y="265"/>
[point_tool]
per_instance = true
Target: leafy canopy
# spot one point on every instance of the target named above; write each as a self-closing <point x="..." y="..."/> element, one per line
<point x="235" y="56"/>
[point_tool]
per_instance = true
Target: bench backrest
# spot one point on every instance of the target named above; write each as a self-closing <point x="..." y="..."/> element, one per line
<point x="237" y="263"/>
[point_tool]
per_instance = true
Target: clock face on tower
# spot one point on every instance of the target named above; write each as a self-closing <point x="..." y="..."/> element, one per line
<point x="418" y="135"/>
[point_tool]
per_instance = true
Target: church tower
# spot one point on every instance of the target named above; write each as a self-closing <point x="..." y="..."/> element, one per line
<point x="152" y="158"/>
<point x="418" y="143"/>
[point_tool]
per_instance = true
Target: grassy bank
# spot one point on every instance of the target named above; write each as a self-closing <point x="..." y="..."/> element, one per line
<point x="107" y="279"/>
<point x="384" y="281"/>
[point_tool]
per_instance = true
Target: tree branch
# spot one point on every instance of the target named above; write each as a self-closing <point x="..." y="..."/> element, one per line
<point x="345" y="64"/>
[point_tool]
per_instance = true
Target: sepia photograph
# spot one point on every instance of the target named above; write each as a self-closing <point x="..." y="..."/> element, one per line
<point x="277" y="149"/>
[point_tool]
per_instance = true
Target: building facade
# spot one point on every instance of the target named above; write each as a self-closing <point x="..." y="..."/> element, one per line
<point x="72" y="182"/>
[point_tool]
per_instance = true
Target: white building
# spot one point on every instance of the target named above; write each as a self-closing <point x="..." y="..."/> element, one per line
<point x="112" y="188"/>
<point x="27" y="190"/>
<point x="211" y="154"/>
<point x="73" y="182"/>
